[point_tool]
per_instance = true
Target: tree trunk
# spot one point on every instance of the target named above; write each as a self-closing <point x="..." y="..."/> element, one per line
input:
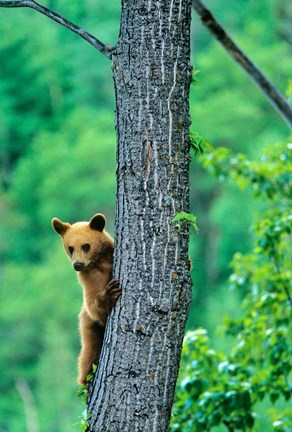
<point x="135" y="382"/>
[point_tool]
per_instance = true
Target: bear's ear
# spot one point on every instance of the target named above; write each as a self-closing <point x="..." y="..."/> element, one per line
<point x="59" y="226"/>
<point x="97" y="222"/>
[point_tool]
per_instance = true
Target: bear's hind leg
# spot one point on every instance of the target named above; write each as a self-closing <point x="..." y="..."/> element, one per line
<point x="91" y="339"/>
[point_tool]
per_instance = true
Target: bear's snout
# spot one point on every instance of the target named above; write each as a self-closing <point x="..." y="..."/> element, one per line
<point x="78" y="266"/>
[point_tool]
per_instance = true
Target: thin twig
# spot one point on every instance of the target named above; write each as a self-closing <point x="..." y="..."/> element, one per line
<point x="100" y="46"/>
<point x="265" y="85"/>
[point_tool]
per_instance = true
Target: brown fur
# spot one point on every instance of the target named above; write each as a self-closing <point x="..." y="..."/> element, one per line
<point x="90" y="249"/>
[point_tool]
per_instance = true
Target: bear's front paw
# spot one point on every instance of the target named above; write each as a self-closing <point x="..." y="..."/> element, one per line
<point x="113" y="290"/>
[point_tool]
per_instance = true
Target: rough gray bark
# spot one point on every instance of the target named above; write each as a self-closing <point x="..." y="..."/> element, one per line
<point x="135" y="382"/>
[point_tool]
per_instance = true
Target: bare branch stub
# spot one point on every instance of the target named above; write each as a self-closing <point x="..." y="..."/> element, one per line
<point x="100" y="46"/>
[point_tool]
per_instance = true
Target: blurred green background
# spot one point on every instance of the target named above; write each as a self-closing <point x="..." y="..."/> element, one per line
<point x="57" y="153"/>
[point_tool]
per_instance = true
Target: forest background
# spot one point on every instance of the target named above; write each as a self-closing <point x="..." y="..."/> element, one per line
<point x="57" y="153"/>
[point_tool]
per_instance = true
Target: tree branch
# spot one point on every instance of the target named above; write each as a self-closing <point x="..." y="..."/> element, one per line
<point x="270" y="91"/>
<point x="100" y="46"/>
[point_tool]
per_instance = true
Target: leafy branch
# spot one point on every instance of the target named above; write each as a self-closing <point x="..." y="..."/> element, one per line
<point x="225" y="389"/>
<point x="270" y="177"/>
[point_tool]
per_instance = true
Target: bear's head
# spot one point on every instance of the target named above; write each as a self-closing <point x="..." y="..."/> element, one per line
<point x="86" y="243"/>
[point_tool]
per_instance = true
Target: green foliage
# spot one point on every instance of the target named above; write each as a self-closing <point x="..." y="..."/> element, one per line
<point x="271" y="176"/>
<point x="281" y="422"/>
<point x="210" y="391"/>
<point x="84" y="421"/>
<point x="195" y="74"/>
<point x="185" y="217"/>
<point x="218" y="388"/>
<point x="82" y="393"/>
<point x="199" y="145"/>
<point x="90" y="376"/>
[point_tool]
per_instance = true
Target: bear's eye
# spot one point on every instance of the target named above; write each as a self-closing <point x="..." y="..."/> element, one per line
<point x="71" y="250"/>
<point x="86" y="247"/>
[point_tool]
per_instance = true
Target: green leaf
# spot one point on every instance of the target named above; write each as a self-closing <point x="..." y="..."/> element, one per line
<point x="185" y="217"/>
<point x="195" y="73"/>
<point x="199" y="145"/>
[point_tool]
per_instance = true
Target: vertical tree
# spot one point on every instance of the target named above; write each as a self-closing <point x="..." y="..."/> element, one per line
<point x="134" y="386"/>
<point x="135" y="381"/>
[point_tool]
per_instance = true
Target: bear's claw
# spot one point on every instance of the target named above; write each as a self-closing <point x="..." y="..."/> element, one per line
<point x="114" y="290"/>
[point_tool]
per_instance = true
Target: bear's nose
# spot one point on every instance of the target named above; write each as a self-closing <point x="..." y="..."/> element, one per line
<point x="78" y="266"/>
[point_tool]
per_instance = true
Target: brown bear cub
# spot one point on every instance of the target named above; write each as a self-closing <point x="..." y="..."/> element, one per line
<point x="90" y="249"/>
